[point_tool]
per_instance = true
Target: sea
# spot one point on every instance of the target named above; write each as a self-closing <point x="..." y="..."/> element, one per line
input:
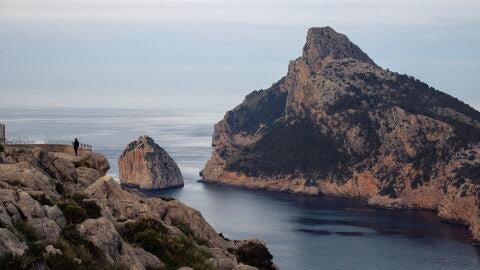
<point x="302" y="232"/>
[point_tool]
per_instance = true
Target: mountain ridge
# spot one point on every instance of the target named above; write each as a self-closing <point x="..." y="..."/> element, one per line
<point x="339" y="124"/>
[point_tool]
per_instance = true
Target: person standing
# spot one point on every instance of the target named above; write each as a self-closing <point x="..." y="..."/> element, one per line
<point x="76" y="144"/>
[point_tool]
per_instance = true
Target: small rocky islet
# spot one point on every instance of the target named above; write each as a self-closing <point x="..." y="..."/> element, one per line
<point x="60" y="211"/>
<point x="339" y="124"/>
<point x="146" y="165"/>
<point x="336" y="124"/>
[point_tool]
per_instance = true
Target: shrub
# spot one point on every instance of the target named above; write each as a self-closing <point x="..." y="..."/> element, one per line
<point x="42" y="199"/>
<point x="62" y="262"/>
<point x="78" y="253"/>
<point x="167" y="199"/>
<point x="255" y="254"/>
<point x="26" y="232"/>
<point x="10" y="261"/>
<point x="185" y="228"/>
<point x="72" y="211"/>
<point x="174" y="250"/>
<point x="76" y="207"/>
<point x="2" y="148"/>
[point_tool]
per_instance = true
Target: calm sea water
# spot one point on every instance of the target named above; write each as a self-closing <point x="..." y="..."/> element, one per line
<point x="302" y="232"/>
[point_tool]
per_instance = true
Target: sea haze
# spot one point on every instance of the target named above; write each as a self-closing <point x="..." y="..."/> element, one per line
<point x="302" y="232"/>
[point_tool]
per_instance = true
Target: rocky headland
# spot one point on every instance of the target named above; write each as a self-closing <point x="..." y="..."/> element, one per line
<point x="146" y="165"/>
<point x="339" y="124"/>
<point x="58" y="211"/>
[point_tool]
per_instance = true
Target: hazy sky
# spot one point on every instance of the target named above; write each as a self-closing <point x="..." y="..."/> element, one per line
<point x="211" y="53"/>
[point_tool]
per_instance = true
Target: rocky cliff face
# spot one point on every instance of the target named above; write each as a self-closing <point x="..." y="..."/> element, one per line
<point x="58" y="211"/>
<point x="339" y="124"/>
<point x="145" y="164"/>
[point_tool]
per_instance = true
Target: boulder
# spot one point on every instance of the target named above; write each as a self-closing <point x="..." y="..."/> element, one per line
<point x="91" y="160"/>
<point x="119" y="204"/>
<point x="51" y="250"/>
<point x="54" y="213"/>
<point x="24" y="175"/>
<point x="102" y="233"/>
<point x="87" y="176"/>
<point x="244" y="267"/>
<point x="146" y="165"/>
<point x="46" y="228"/>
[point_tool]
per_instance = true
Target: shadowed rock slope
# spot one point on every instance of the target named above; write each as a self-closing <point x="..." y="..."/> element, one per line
<point x="339" y="124"/>
<point x="58" y="211"/>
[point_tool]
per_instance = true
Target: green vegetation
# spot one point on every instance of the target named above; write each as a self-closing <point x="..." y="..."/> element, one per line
<point x="42" y="199"/>
<point x="255" y="254"/>
<point x="173" y="250"/>
<point x="389" y="190"/>
<point x="10" y="261"/>
<point x="25" y="232"/>
<point x="16" y="183"/>
<point x="185" y="228"/>
<point x="2" y="148"/>
<point x="76" y="208"/>
<point x="167" y="199"/>
<point x="77" y="253"/>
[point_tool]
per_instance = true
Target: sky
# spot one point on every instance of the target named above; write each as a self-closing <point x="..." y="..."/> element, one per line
<point x="211" y="53"/>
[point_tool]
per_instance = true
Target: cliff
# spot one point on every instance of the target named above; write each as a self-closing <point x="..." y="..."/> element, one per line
<point x="339" y="124"/>
<point x="146" y="165"/>
<point x="58" y="211"/>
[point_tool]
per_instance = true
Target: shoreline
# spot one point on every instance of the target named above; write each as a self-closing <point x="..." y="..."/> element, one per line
<point x="472" y="240"/>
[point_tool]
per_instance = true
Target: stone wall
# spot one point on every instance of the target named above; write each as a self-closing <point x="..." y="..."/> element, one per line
<point x="52" y="148"/>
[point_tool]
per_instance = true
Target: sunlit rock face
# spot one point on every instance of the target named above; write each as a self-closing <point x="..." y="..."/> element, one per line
<point x="145" y="164"/>
<point x="339" y="124"/>
<point x="59" y="210"/>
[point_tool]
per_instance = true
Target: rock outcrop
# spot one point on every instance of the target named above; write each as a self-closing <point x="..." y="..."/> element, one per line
<point x="146" y="165"/>
<point x="54" y="214"/>
<point x="339" y="124"/>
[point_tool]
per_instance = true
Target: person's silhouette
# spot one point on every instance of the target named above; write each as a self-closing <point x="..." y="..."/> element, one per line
<point x="76" y="144"/>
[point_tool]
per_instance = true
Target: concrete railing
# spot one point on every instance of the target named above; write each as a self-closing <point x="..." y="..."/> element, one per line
<point x="45" y="142"/>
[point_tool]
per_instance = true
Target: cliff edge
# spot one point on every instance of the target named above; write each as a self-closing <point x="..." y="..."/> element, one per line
<point x="58" y="211"/>
<point x="339" y="124"/>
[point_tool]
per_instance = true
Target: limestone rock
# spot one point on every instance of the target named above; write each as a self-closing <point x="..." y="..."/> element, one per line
<point x="91" y="160"/>
<point x="54" y="213"/>
<point x="29" y="207"/>
<point x="222" y="260"/>
<point x="10" y="243"/>
<point x="121" y="204"/>
<point x="87" y="176"/>
<point x="339" y="124"/>
<point x="102" y="233"/>
<point x="25" y="175"/>
<point x="145" y="164"/>
<point x="34" y="182"/>
<point x="46" y="228"/>
<point x="244" y="267"/>
<point x="177" y="212"/>
<point x="51" y="250"/>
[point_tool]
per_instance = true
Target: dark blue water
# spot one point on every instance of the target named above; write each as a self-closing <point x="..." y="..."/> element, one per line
<point x="302" y="232"/>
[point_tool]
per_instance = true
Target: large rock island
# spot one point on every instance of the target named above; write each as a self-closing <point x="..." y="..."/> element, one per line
<point x="339" y="124"/>
<point x="58" y="211"/>
<point x="146" y="165"/>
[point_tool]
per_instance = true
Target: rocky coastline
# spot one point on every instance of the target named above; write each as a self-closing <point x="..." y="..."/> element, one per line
<point x="338" y="124"/>
<point x="59" y="211"/>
